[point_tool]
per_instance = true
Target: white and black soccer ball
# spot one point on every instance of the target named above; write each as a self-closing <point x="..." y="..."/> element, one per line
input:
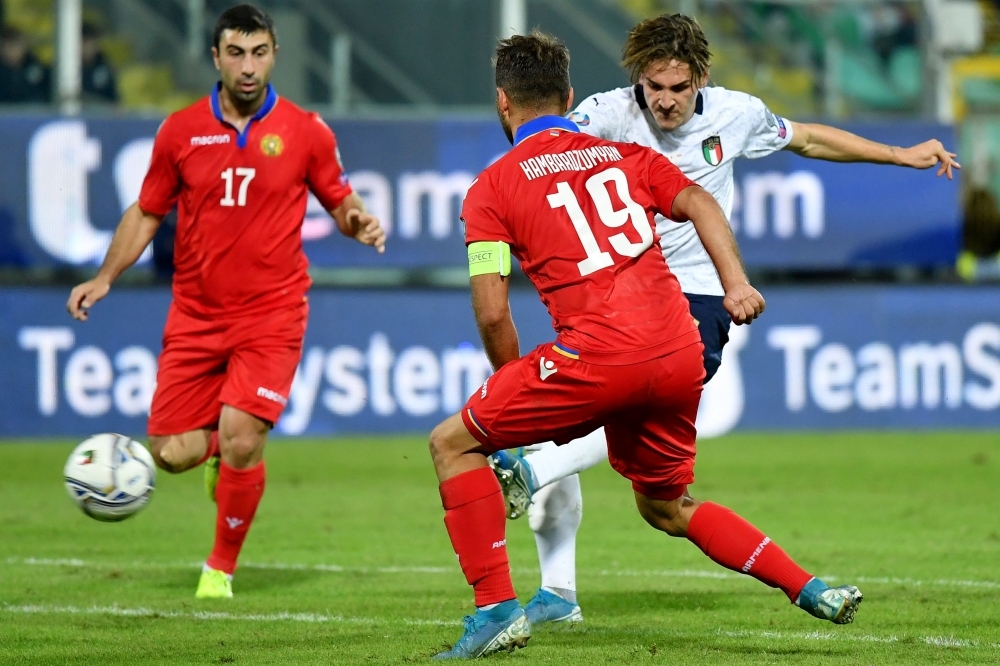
<point x="110" y="477"/>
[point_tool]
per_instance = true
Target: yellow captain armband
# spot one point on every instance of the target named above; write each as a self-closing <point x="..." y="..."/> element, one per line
<point x="489" y="257"/>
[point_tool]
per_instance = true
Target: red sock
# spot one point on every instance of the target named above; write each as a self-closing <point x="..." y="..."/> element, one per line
<point x="476" y="518"/>
<point x="237" y="496"/>
<point x="736" y="544"/>
<point x="213" y="447"/>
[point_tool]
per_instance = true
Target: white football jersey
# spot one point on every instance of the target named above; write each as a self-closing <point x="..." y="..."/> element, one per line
<point x="726" y="125"/>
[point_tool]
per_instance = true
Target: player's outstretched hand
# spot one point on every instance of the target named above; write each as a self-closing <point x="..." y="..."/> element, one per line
<point x="367" y="229"/>
<point x="85" y="295"/>
<point x="743" y="303"/>
<point x="927" y="154"/>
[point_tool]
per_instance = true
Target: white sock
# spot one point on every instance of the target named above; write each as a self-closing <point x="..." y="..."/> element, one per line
<point x="555" y="515"/>
<point x="550" y="463"/>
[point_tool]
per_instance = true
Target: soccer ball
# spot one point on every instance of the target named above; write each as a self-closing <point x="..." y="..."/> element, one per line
<point x="110" y="477"/>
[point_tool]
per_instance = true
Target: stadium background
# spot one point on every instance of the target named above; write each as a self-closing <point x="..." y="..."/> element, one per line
<point x="861" y="410"/>
<point x="872" y="321"/>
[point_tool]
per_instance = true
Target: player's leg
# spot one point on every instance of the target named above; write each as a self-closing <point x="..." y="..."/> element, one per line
<point x="520" y="406"/>
<point x="185" y="409"/>
<point x="242" y="476"/>
<point x="259" y="377"/>
<point x="474" y="515"/>
<point x="736" y="544"/>
<point x="656" y="452"/>
<point x="555" y="516"/>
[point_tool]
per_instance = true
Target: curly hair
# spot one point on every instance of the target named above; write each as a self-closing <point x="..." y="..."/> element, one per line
<point x="665" y="38"/>
<point x="533" y="69"/>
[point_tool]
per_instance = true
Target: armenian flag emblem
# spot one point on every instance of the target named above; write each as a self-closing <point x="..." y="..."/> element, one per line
<point x="712" y="149"/>
<point x="272" y="145"/>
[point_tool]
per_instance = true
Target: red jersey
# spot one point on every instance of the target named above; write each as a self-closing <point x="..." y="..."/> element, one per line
<point x="577" y="212"/>
<point x="241" y="198"/>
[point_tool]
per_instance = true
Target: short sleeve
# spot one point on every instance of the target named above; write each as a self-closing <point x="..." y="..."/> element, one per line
<point x="665" y="182"/>
<point x="766" y="133"/>
<point x="326" y="177"/>
<point x="162" y="184"/>
<point x="481" y="214"/>
<point x="598" y="117"/>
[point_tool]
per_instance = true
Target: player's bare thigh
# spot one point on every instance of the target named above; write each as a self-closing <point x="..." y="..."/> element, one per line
<point x="241" y="443"/>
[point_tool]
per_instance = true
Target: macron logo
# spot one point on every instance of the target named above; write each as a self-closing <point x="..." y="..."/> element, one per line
<point x="273" y="396"/>
<point x="210" y="140"/>
<point x="756" y="553"/>
<point x="546" y="368"/>
<point x="233" y="522"/>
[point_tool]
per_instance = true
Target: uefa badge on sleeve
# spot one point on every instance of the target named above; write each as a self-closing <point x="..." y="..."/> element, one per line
<point x="712" y="149"/>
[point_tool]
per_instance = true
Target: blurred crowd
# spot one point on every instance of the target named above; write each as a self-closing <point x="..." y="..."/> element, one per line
<point x="26" y="79"/>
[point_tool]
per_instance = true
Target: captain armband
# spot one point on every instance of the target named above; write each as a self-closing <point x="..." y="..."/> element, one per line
<point x="489" y="257"/>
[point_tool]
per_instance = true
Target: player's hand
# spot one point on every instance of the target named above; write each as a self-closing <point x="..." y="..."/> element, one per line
<point x="85" y="295"/>
<point x="743" y="303"/>
<point x="928" y="154"/>
<point x="367" y="229"/>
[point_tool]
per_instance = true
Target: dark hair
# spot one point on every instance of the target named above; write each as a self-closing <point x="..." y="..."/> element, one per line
<point x="533" y="69"/>
<point x="245" y="19"/>
<point x="665" y="38"/>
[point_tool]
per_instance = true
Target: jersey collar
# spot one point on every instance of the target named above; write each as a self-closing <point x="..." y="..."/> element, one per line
<point x="542" y="123"/>
<point x="241" y="137"/>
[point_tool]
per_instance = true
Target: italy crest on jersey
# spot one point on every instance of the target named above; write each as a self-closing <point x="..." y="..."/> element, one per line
<point x="712" y="149"/>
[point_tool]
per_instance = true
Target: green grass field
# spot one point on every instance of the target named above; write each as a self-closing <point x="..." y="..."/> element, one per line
<point x="349" y="563"/>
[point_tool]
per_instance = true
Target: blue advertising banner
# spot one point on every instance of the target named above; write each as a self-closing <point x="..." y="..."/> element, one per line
<point x="65" y="182"/>
<point x="401" y="361"/>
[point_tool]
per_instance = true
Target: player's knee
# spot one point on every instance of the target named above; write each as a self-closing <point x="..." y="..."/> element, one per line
<point x="242" y="449"/>
<point x="168" y="454"/>
<point x="667" y="517"/>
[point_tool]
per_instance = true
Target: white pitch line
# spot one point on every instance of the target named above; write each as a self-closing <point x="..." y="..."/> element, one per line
<point x="321" y="618"/>
<point x="601" y="573"/>
<point x="311" y="618"/>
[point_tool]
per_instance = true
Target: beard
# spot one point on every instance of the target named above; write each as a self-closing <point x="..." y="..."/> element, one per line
<point x="243" y="98"/>
<point x="505" y="124"/>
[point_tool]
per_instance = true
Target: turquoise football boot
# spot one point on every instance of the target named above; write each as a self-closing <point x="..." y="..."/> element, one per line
<point x="503" y="627"/>
<point x="836" y="604"/>
<point x="516" y="480"/>
<point x="547" y="606"/>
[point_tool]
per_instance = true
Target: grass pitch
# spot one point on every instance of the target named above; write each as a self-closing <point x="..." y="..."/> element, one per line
<point x="349" y="563"/>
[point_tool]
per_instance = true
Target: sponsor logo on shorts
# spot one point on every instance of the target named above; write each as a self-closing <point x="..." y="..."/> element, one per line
<point x="210" y="140"/>
<point x="273" y="396"/>
<point x="546" y="368"/>
<point x="500" y="544"/>
<point x="756" y="553"/>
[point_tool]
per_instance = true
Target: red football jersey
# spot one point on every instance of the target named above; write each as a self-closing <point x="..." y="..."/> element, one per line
<point x="241" y="199"/>
<point x="577" y="212"/>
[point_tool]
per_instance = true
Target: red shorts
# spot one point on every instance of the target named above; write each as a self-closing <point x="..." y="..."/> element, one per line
<point x="246" y="362"/>
<point x="648" y="411"/>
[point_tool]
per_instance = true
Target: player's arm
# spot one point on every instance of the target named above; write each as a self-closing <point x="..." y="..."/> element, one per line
<point x="357" y="223"/>
<point x="133" y="235"/>
<point x="823" y="142"/>
<point x="742" y="301"/>
<point x="489" y="268"/>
